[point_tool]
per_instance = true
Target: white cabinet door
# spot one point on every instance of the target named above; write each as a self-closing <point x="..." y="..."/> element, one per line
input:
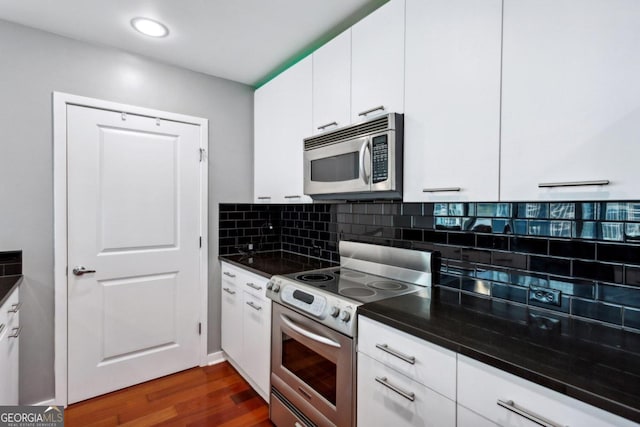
<point x="452" y="100"/>
<point x="332" y="84"/>
<point x="257" y="341"/>
<point x="570" y="99"/>
<point x="9" y="350"/>
<point x="283" y="118"/>
<point x="534" y="401"/>
<point x="231" y="315"/>
<point x="377" y="61"/>
<point x="388" y="398"/>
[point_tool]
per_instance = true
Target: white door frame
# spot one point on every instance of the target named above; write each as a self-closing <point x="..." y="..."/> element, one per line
<point x="60" y="102"/>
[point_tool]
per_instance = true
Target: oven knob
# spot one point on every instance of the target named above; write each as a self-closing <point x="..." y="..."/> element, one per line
<point x="334" y="311"/>
<point x="345" y="316"/>
<point x="276" y="287"/>
<point x="270" y="285"/>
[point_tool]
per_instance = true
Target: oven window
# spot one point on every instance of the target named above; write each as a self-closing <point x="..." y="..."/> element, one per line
<point x="335" y="169"/>
<point x="316" y="371"/>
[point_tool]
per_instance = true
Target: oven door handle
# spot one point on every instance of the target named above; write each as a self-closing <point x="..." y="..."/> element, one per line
<point x="308" y="334"/>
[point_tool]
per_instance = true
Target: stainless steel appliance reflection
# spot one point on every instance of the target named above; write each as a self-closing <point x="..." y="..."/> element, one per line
<point x="314" y="327"/>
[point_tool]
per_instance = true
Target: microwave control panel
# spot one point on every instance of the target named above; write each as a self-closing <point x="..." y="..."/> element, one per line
<point x="380" y="158"/>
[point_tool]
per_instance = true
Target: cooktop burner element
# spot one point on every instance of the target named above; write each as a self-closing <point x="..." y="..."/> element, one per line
<point x="367" y="273"/>
<point x="315" y="277"/>
<point x="356" y="292"/>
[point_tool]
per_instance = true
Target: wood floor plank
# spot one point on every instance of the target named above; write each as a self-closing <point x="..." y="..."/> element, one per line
<point x="205" y="396"/>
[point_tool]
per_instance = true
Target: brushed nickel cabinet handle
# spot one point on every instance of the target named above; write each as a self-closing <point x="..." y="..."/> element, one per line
<point x="572" y="183"/>
<point x="255" y="307"/>
<point x="264" y="197"/>
<point x="292" y="197"/>
<point x="2" y="327"/>
<point x="406" y="394"/>
<point x="16" y="332"/>
<point x="364" y="113"/>
<point x="229" y="291"/>
<point x="396" y="353"/>
<point x="510" y="405"/>
<point x="441" y="190"/>
<point x="323" y="127"/>
<point x="226" y="273"/>
<point x="15" y="308"/>
<point x="254" y="286"/>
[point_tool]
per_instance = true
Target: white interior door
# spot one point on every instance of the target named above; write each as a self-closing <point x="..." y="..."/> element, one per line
<point x="134" y="218"/>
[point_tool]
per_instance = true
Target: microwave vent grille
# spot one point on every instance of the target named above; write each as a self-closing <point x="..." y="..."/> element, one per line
<point x="347" y="133"/>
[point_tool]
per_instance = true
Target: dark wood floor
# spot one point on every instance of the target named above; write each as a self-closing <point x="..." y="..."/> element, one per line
<point x="211" y="396"/>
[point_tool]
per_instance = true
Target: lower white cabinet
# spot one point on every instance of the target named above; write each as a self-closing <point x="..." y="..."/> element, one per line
<point x="509" y="400"/>
<point x="9" y="349"/>
<point x="468" y="418"/>
<point x="246" y="325"/>
<point x="403" y="380"/>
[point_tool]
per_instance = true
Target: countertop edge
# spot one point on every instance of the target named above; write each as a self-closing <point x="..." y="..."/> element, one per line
<point x="17" y="283"/>
<point x="244" y="266"/>
<point x="585" y="396"/>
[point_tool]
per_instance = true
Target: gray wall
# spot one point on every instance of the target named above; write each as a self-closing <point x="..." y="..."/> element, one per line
<point x="33" y="65"/>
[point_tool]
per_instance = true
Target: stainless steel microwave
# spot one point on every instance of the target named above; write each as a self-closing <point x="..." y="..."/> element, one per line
<point x="357" y="162"/>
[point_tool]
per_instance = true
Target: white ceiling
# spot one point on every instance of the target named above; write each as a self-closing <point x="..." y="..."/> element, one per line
<point x="243" y="40"/>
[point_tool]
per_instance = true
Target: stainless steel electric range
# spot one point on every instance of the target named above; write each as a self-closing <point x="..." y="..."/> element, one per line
<point x="314" y="326"/>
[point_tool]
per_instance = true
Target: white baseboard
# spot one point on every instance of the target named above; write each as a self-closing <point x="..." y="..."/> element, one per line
<point x="215" y="358"/>
<point x="49" y="402"/>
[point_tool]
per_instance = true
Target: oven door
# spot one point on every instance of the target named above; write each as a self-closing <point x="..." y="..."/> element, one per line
<point x="344" y="167"/>
<point x="312" y="367"/>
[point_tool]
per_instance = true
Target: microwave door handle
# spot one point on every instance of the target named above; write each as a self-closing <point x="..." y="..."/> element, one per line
<point x="365" y="162"/>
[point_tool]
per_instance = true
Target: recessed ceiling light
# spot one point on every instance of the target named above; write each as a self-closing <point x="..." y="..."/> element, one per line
<point x="149" y="27"/>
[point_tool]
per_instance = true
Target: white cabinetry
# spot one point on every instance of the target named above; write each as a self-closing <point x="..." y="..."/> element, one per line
<point x="402" y="380"/>
<point x="332" y="84"/>
<point x="9" y="349"/>
<point x="452" y="100"/>
<point x="377" y="61"/>
<point x="508" y="394"/>
<point x="570" y="99"/>
<point x="282" y="119"/>
<point x="246" y="326"/>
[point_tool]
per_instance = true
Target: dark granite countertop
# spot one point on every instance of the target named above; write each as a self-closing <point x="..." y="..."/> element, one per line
<point x="268" y="264"/>
<point x="7" y="285"/>
<point x="591" y="362"/>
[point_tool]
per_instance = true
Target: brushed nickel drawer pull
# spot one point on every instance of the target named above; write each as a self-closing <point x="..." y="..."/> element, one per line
<point x="396" y="353"/>
<point x="531" y="416"/>
<point x="15" y="307"/>
<point x="406" y="394"/>
<point x="226" y="273"/>
<point x="264" y="197"/>
<point x="441" y="190"/>
<point x="364" y="113"/>
<point x="255" y="307"/>
<point x="254" y="286"/>
<point x="323" y="127"/>
<point x="229" y="291"/>
<point x="573" y="183"/>
<point x="16" y="332"/>
<point x="292" y="197"/>
<point x="2" y="327"/>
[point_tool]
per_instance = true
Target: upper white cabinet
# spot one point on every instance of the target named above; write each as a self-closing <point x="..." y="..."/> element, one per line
<point x="377" y="62"/>
<point x="571" y="98"/>
<point x="332" y="84"/>
<point x="452" y="100"/>
<point x="282" y="119"/>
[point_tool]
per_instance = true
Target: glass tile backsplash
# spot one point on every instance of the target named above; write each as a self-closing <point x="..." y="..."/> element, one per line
<point x="588" y="251"/>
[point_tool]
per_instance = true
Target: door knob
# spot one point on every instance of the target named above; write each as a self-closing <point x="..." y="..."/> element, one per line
<point x="80" y="270"/>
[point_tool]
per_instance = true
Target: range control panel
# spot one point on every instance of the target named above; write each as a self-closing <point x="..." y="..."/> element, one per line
<point x="332" y="311"/>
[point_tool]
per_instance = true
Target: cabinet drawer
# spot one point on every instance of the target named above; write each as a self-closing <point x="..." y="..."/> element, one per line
<point x="482" y="387"/>
<point x="386" y="397"/>
<point x="426" y="363"/>
<point x="253" y="284"/>
<point x="467" y="418"/>
<point x="8" y="317"/>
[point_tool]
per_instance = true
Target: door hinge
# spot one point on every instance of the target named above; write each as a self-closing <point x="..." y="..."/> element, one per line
<point x="203" y="154"/>
<point x="199" y="328"/>
<point x="200" y="241"/>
